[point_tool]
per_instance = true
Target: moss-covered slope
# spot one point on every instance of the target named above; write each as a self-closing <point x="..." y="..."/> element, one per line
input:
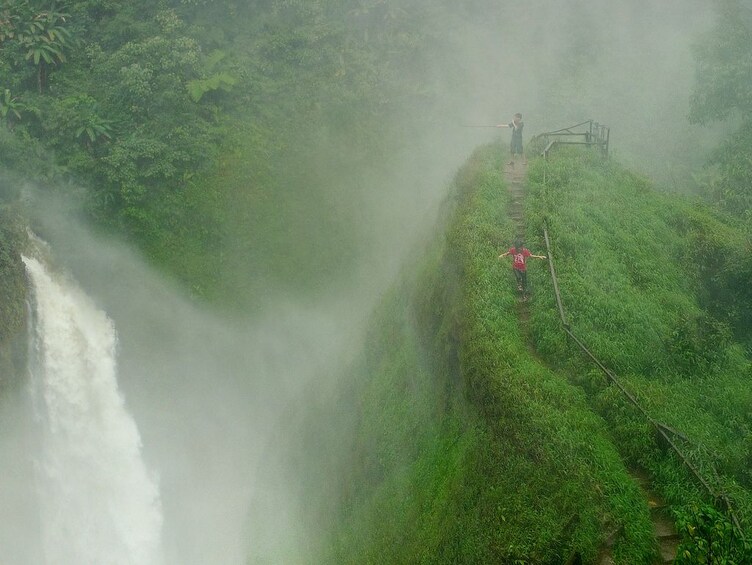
<point x="468" y="448"/>
<point x="13" y="306"/>
<point x="658" y="287"/>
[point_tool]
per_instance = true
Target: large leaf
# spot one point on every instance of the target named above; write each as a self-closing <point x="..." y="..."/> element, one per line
<point x="219" y="81"/>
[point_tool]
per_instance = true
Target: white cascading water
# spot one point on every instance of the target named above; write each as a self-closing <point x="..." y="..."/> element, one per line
<point x="98" y="503"/>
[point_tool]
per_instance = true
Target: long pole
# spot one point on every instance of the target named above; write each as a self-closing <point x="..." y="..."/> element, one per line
<point x="553" y="278"/>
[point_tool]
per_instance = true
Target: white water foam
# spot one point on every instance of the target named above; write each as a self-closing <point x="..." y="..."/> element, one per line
<point x="98" y="503"/>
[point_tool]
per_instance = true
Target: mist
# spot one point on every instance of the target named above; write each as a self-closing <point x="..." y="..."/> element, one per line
<point x="210" y="399"/>
<point x="626" y="65"/>
<point x="216" y="398"/>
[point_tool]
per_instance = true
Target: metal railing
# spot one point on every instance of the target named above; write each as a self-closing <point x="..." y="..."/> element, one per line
<point x="667" y="434"/>
<point x="589" y="133"/>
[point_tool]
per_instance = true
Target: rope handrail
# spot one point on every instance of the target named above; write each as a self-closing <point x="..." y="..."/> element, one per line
<point x="665" y="431"/>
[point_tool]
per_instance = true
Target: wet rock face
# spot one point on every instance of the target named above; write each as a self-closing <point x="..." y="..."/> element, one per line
<point x="13" y="358"/>
<point x="13" y="308"/>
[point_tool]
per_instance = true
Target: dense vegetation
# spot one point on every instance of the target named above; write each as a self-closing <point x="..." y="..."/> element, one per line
<point x="723" y="92"/>
<point x="13" y="309"/>
<point x="467" y="448"/>
<point x="452" y="395"/>
<point x="235" y="143"/>
<point x="239" y="144"/>
<point x="651" y="284"/>
<point x="202" y="130"/>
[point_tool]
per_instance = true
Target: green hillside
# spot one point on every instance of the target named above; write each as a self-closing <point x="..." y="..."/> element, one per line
<point x="652" y="283"/>
<point x="286" y="152"/>
<point x="483" y="440"/>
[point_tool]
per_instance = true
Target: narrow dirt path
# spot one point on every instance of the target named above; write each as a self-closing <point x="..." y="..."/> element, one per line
<point x="664" y="530"/>
<point x="663" y="526"/>
<point x="515" y="179"/>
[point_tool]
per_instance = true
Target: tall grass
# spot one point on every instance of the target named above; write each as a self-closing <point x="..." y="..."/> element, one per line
<point x="647" y="283"/>
<point x="467" y="448"/>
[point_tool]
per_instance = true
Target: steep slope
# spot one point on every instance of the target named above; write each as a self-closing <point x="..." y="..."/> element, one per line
<point x="13" y="330"/>
<point x="650" y="284"/>
<point x="467" y="449"/>
<point x="664" y="528"/>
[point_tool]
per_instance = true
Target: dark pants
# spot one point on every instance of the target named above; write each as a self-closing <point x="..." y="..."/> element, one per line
<point x="521" y="277"/>
<point x="515" y="147"/>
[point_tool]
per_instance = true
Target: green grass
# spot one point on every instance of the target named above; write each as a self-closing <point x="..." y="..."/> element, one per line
<point x="468" y="449"/>
<point x="651" y="284"/>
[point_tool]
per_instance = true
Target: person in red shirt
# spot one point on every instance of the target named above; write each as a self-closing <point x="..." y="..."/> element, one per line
<point x="519" y="254"/>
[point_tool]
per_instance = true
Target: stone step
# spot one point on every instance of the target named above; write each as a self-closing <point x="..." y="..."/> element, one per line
<point x="668" y="549"/>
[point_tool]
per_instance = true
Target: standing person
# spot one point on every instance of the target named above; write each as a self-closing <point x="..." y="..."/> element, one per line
<point x="520" y="253"/>
<point x="515" y="147"/>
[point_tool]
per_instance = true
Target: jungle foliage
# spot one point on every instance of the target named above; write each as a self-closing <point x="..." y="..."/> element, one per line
<point x="206" y="128"/>
<point x="13" y="347"/>
<point x="723" y="91"/>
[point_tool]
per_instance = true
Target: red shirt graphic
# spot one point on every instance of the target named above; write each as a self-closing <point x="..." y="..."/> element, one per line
<point x="519" y="257"/>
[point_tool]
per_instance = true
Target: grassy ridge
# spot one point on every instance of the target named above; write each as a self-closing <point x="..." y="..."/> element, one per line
<point x="468" y="449"/>
<point x="648" y="283"/>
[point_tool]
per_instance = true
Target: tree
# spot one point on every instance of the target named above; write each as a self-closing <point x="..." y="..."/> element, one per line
<point x="10" y="108"/>
<point x="218" y="79"/>
<point x="43" y="36"/>
<point x="724" y="66"/>
<point x="723" y="91"/>
<point x="79" y="117"/>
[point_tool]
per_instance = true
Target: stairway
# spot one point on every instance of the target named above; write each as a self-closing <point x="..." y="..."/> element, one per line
<point x="515" y="177"/>
<point x="663" y="526"/>
<point x="664" y="530"/>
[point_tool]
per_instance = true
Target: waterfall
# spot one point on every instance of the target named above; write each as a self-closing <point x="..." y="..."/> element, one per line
<point x="98" y="503"/>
